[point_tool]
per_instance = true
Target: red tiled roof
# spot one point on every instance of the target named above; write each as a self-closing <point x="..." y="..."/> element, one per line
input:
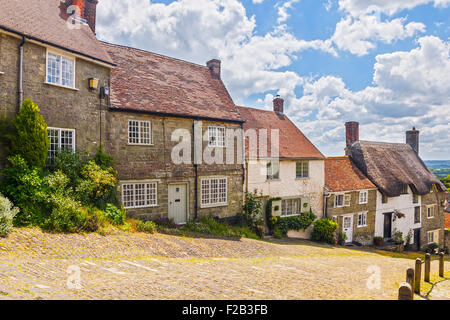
<point x="292" y="142"/>
<point x="341" y="174"/>
<point x="148" y="82"/>
<point x="45" y="20"/>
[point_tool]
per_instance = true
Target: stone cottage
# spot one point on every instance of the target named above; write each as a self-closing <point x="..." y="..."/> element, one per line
<point x="47" y="54"/>
<point x="282" y="163"/>
<point x="176" y="136"/>
<point x="350" y="200"/>
<point x="410" y="198"/>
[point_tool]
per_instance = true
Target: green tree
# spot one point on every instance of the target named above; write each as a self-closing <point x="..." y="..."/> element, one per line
<point x="31" y="139"/>
<point x="446" y="182"/>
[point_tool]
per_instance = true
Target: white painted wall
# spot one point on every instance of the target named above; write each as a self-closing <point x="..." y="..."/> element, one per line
<point x="287" y="186"/>
<point x="404" y="204"/>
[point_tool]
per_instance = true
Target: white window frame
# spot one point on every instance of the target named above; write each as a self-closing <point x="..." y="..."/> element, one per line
<point x="139" y="137"/>
<point x="216" y="141"/>
<point x="302" y="170"/>
<point x="365" y="196"/>
<point x="420" y="214"/>
<point x="74" y="143"/>
<point x="210" y="204"/>
<point x="435" y="236"/>
<point x="62" y="56"/>
<point x="270" y="174"/>
<point x="346" y="200"/>
<point x="293" y="214"/>
<point x="432" y="210"/>
<point x="363" y="222"/>
<point x="134" y="183"/>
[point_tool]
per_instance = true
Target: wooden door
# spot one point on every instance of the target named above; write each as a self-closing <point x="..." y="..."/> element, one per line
<point x="178" y="203"/>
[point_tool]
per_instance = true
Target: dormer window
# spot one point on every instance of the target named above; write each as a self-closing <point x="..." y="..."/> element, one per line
<point x="60" y="70"/>
<point x="404" y="189"/>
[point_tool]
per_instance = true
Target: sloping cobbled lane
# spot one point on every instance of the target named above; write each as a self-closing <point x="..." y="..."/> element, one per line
<point x="37" y="265"/>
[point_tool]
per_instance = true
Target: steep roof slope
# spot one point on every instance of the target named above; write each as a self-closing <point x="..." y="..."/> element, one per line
<point x="341" y="174"/>
<point x="46" y="20"/>
<point x="148" y="82"/>
<point x="391" y="165"/>
<point x="292" y="142"/>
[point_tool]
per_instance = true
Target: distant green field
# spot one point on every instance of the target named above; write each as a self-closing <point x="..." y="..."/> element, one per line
<point x="441" y="173"/>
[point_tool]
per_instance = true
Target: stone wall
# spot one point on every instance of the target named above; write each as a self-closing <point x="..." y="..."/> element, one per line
<point x="363" y="235"/>
<point x="437" y="222"/>
<point x="61" y="107"/>
<point x="139" y="162"/>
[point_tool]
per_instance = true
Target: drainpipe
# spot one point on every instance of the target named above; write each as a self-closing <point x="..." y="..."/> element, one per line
<point x="195" y="174"/>
<point x="21" y="71"/>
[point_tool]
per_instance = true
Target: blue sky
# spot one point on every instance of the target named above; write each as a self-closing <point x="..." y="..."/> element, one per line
<point x="384" y="63"/>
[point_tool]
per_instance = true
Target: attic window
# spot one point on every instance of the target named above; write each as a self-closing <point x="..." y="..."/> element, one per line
<point x="273" y="170"/>
<point x="384" y="199"/>
<point x="404" y="189"/>
<point x="415" y="198"/>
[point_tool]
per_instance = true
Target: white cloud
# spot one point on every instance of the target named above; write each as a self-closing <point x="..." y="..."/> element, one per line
<point x="361" y="7"/>
<point x="283" y="14"/>
<point x="410" y="89"/>
<point x="359" y="35"/>
<point x="198" y="30"/>
<point x="257" y="1"/>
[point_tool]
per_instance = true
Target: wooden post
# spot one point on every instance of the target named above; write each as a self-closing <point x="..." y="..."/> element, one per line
<point x="418" y="276"/>
<point x="441" y="264"/>
<point x="427" y="267"/>
<point x="405" y="291"/>
<point x="410" y="280"/>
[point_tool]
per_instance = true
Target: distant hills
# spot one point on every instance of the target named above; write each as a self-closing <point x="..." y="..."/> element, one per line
<point x="440" y="168"/>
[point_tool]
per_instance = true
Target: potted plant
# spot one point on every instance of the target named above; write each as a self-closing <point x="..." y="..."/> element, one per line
<point x="378" y="241"/>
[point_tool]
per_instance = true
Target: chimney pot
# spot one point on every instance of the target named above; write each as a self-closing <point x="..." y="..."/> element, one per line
<point x="412" y="138"/>
<point x="351" y="132"/>
<point x="278" y="104"/>
<point x="214" y="66"/>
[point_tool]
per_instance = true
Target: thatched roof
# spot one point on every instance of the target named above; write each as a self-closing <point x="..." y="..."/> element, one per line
<point x="392" y="165"/>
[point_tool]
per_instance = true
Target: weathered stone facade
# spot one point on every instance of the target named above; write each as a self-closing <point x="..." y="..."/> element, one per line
<point x="436" y="199"/>
<point x="363" y="234"/>
<point x="154" y="162"/>
<point x="61" y="107"/>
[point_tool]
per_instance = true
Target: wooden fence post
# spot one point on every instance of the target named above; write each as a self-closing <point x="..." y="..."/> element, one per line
<point x="427" y="267"/>
<point x="418" y="276"/>
<point x="410" y="280"/>
<point x="405" y="291"/>
<point x="441" y="264"/>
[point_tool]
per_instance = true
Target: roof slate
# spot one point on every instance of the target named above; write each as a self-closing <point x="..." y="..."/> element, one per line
<point x="292" y="142"/>
<point x="341" y="174"/>
<point x="392" y="165"/>
<point x="148" y="82"/>
<point x="46" y="20"/>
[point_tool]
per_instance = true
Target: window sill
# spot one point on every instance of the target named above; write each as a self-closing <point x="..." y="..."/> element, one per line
<point x="61" y="86"/>
<point x="363" y="203"/>
<point x="364" y="226"/>
<point x="298" y="178"/>
<point x="273" y="180"/>
<point x="206" y="206"/>
<point x="291" y="215"/>
<point x="2" y="72"/>
<point x="152" y="206"/>
<point x="140" y="144"/>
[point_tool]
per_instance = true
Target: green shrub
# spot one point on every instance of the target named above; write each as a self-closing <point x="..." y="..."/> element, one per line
<point x="70" y="163"/>
<point x="324" y="230"/>
<point x="27" y="188"/>
<point x="147" y="226"/>
<point x="31" y="139"/>
<point x="277" y="233"/>
<point x="342" y="237"/>
<point x="7" y="214"/>
<point x="114" y="214"/>
<point x="251" y="211"/>
<point x="103" y="159"/>
<point x="98" y="186"/>
<point x="209" y="225"/>
<point x="57" y="182"/>
<point x="300" y="222"/>
<point x="67" y="215"/>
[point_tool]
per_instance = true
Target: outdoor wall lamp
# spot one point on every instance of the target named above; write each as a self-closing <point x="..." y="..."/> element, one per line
<point x="93" y="83"/>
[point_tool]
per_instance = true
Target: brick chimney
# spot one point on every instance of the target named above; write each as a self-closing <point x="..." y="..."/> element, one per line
<point x="278" y="104"/>
<point x="214" y="67"/>
<point x="88" y="10"/>
<point x="412" y="138"/>
<point x="351" y="132"/>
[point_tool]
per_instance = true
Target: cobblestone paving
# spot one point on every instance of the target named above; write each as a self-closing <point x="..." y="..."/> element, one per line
<point x="36" y="265"/>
